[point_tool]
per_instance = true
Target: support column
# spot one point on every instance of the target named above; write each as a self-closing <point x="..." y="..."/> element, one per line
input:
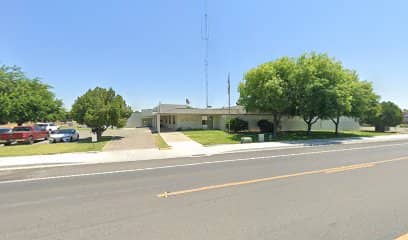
<point x="158" y="123"/>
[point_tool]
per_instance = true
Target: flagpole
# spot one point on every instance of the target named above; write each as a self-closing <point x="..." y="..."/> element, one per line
<point x="229" y="104"/>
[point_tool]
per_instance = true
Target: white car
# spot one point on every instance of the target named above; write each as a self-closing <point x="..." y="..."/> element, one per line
<point x="48" y="126"/>
<point x="64" y="135"/>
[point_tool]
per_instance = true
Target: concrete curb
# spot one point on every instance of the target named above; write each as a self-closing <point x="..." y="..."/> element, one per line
<point x="67" y="159"/>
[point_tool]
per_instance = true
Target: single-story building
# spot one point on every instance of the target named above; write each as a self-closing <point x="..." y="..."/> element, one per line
<point x="172" y="117"/>
<point x="405" y="118"/>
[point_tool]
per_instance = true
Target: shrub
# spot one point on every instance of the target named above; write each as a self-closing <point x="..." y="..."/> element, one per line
<point x="389" y="115"/>
<point x="237" y="125"/>
<point x="265" y="126"/>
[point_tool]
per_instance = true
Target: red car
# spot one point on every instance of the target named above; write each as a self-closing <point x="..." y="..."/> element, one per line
<point x="26" y="134"/>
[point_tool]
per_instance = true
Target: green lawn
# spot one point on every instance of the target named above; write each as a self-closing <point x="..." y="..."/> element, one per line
<point x="44" y="148"/>
<point x="160" y="143"/>
<point x="213" y="137"/>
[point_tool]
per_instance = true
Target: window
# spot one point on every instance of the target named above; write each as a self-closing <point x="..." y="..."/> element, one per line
<point x="204" y="120"/>
<point x="174" y="119"/>
<point x="21" y="129"/>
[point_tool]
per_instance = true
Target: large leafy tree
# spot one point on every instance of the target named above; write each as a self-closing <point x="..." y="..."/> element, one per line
<point x="266" y="89"/>
<point x="365" y="103"/>
<point x="23" y="99"/>
<point x="312" y="86"/>
<point x="342" y="99"/>
<point x="318" y="85"/>
<point x="99" y="109"/>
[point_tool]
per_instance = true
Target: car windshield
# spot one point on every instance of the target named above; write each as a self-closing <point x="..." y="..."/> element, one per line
<point x="21" y="129"/>
<point x="4" y="130"/>
<point x="64" y="131"/>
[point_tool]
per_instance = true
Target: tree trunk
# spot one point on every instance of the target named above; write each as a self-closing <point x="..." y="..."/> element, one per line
<point x="309" y="128"/>
<point x="336" y="124"/>
<point x="276" y="123"/>
<point x="337" y="129"/>
<point x="99" y="132"/>
<point x="310" y="121"/>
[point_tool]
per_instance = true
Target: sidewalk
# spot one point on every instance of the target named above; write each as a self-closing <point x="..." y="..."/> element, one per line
<point x="179" y="149"/>
<point x="180" y="143"/>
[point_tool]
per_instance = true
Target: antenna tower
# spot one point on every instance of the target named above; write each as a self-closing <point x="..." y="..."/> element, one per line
<point x="205" y="36"/>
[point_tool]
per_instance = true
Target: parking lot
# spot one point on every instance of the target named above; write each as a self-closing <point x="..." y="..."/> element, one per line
<point x="113" y="140"/>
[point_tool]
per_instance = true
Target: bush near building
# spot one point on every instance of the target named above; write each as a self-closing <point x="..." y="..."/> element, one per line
<point x="265" y="126"/>
<point x="237" y="125"/>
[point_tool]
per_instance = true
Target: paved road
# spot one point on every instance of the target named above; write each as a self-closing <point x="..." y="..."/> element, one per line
<point x="332" y="192"/>
<point x="129" y="139"/>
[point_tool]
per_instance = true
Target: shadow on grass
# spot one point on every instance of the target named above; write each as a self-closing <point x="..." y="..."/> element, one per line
<point x="302" y="135"/>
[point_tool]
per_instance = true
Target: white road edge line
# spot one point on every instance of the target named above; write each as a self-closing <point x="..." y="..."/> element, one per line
<point x="270" y="149"/>
<point x="193" y="164"/>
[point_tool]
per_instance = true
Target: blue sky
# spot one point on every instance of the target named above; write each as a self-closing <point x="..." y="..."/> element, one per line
<point x="151" y="51"/>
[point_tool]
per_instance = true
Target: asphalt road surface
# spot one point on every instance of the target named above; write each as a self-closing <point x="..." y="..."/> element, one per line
<point x="356" y="191"/>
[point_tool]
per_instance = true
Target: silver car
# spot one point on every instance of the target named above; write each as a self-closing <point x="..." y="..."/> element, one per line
<point x="5" y="130"/>
<point x="64" y="135"/>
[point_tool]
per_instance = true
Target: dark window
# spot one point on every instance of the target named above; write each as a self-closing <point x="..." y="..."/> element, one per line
<point x="4" y="130"/>
<point x="65" y="131"/>
<point x="21" y="129"/>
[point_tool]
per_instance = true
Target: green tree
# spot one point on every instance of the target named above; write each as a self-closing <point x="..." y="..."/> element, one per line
<point x="60" y="114"/>
<point x="350" y="97"/>
<point x="389" y="115"/>
<point x="318" y="85"/>
<point x="23" y="99"/>
<point x="365" y="103"/>
<point x="266" y="89"/>
<point x="100" y="109"/>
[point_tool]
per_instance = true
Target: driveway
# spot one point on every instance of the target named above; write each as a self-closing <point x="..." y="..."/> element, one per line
<point x="130" y="138"/>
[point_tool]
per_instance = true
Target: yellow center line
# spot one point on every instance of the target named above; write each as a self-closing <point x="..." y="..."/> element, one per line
<point x="404" y="237"/>
<point x="259" y="180"/>
<point x="348" y="168"/>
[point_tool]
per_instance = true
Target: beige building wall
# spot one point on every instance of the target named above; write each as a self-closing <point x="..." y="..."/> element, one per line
<point x="193" y="121"/>
<point x="188" y="122"/>
<point x="296" y="123"/>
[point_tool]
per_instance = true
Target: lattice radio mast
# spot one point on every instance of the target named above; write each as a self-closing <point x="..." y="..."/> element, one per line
<point x="205" y="36"/>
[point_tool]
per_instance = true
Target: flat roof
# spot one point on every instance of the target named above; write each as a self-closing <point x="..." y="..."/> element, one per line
<point x="185" y="109"/>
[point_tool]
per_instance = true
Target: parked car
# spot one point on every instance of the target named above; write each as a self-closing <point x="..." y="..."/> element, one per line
<point x="5" y="130"/>
<point x="64" y="135"/>
<point x="48" y="126"/>
<point x="26" y="134"/>
<point x="4" y="134"/>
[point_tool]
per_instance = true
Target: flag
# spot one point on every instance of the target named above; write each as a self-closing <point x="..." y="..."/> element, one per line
<point x="187" y="101"/>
